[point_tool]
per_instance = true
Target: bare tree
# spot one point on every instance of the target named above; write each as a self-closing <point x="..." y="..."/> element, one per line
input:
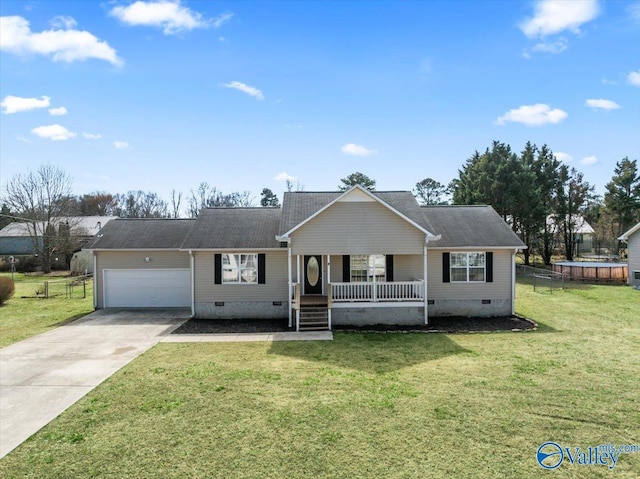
<point x="207" y="196"/>
<point x="176" y="199"/>
<point x="41" y="198"/>
<point x="290" y="185"/>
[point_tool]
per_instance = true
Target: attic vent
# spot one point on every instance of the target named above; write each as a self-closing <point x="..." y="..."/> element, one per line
<point x="486" y="301"/>
<point x="219" y="303"/>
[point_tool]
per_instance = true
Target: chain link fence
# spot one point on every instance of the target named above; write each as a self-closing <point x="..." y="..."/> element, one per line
<point x="69" y="287"/>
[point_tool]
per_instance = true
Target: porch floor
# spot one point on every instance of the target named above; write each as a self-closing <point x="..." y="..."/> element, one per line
<point x="311" y="299"/>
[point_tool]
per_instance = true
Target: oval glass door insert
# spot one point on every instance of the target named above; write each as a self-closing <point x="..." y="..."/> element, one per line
<point x="313" y="271"/>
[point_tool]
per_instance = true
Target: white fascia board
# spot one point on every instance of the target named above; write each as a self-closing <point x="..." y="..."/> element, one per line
<point x="625" y="236"/>
<point x="371" y="195"/>
<point x="199" y="250"/>
<point x="475" y="248"/>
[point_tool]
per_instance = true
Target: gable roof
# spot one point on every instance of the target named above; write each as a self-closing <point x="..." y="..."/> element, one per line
<point x="301" y="206"/>
<point x="142" y="233"/>
<point x="469" y="227"/>
<point x="235" y="228"/>
<point x="625" y="236"/>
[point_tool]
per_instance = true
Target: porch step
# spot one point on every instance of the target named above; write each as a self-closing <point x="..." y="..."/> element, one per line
<point x="314" y="318"/>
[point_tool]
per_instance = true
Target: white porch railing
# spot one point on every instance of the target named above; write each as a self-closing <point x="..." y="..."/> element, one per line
<point x="378" y="292"/>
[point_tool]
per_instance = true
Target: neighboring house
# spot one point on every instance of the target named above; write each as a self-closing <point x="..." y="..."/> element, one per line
<point x="584" y="234"/>
<point x="354" y="257"/>
<point x="632" y="238"/>
<point x="15" y="238"/>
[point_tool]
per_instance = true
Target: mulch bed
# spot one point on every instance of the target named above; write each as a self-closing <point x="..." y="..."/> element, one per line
<point x="213" y="326"/>
<point x="446" y="325"/>
<point x="454" y="325"/>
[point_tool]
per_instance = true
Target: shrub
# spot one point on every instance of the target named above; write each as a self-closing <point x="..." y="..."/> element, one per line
<point x="6" y="289"/>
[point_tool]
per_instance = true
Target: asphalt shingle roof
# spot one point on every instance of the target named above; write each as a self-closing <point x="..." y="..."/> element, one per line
<point x="256" y="228"/>
<point x="142" y="234"/>
<point x="468" y="226"/>
<point x="241" y="228"/>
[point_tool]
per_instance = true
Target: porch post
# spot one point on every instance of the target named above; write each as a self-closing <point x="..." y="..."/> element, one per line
<point x="290" y="281"/>
<point x="426" y="288"/>
<point x="298" y="273"/>
<point x="328" y="273"/>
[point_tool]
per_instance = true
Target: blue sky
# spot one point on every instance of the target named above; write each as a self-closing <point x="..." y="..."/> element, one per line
<point x="164" y="95"/>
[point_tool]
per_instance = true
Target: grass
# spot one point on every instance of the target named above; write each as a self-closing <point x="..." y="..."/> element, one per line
<point x="21" y="318"/>
<point x="365" y="405"/>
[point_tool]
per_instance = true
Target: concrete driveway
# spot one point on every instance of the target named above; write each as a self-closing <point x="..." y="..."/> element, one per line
<point x="42" y="376"/>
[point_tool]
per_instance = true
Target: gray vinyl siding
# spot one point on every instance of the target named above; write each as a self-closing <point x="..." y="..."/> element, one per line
<point x="135" y="260"/>
<point x="633" y="255"/>
<point x="357" y="228"/>
<point x="274" y="288"/>
<point x="500" y="288"/>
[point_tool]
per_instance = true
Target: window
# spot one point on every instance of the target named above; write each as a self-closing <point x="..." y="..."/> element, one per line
<point x="367" y="268"/>
<point x="239" y="268"/>
<point x="467" y="267"/>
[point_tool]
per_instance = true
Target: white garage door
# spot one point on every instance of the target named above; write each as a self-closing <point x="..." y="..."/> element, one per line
<point x="147" y="288"/>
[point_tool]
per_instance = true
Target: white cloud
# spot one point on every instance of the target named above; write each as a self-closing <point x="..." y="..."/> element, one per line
<point x="120" y="144"/>
<point x="634" y="12"/>
<point x="53" y="132"/>
<point x="634" y="78"/>
<point x="92" y="136"/>
<point x="602" y="104"/>
<point x="61" y="44"/>
<point x="284" y="177"/>
<point x="533" y="115"/>
<point x="62" y="22"/>
<point x="15" y="104"/>
<point x="589" y="160"/>
<point x="59" y="111"/>
<point x="222" y="19"/>
<point x="249" y="90"/>
<point x="564" y="157"/>
<point x="357" y="150"/>
<point x="556" y="47"/>
<point x="171" y="16"/>
<point x="555" y="16"/>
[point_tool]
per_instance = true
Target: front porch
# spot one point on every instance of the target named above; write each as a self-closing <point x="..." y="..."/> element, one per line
<point x="314" y="311"/>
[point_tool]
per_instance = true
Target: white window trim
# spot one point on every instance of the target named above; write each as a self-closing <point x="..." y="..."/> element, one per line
<point x="467" y="268"/>
<point x="369" y="271"/>
<point x="239" y="268"/>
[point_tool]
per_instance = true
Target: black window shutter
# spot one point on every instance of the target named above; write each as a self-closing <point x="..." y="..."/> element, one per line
<point x="346" y="268"/>
<point x="261" y="269"/>
<point x="446" y="268"/>
<point x="389" y="259"/>
<point x="488" y="260"/>
<point x="217" y="266"/>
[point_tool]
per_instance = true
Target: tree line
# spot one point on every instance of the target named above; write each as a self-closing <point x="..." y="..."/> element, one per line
<point x="541" y="198"/>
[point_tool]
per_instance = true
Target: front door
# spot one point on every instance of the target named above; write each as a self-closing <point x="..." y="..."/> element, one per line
<point x="313" y="275"/>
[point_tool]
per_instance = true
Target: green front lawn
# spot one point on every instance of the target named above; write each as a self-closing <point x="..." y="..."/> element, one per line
<point x="365" y="405"/>
<point x="21" y="318"/>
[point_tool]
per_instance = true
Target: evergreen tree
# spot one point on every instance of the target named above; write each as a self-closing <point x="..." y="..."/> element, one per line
<point x="269" y="198"/>
<point x="357" y="178"/>
<point x="622" y="198"/>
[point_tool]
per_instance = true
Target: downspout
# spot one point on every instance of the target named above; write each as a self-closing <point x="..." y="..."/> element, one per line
<point x="426" y="287"/>
<point x="513" y="282"/>
<point x="290" y="283"/>
<point x="95" y="286"/>
<point x="192" y="264"/>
